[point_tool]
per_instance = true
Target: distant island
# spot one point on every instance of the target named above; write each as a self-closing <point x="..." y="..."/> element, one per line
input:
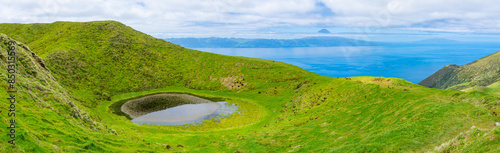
<point x="215" y="42"/>
<point x="323" y="31"/>
<point x="437" y="41"/>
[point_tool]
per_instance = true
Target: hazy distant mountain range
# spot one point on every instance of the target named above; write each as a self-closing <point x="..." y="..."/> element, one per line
<point x="437" y="41"/>
<point x="319" y="41"/>
<point x="215" y="42"/>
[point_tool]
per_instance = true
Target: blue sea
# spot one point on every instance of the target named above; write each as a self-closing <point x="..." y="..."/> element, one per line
<point x="410" y="62"/>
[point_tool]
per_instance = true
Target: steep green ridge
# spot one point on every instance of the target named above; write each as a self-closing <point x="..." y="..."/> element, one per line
<point x="482" y="72"/>
<point x="43" y="107"/>
<point x="284" y="108"/>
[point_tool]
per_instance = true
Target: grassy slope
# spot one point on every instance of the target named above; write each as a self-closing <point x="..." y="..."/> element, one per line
<point x="44" y="108"/>
<point x="482" y="72"/>
<point x="284" y="107"/>
<point x="493" y="89"/>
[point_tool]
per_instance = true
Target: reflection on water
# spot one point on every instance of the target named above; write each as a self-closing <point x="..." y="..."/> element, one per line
<point x="188" y="114"/>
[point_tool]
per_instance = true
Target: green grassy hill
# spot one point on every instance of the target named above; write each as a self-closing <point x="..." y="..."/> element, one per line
<point x="71" y="74"/>
<point x="479" y="73"/>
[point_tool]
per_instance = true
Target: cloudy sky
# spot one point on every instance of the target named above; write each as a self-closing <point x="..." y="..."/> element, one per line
<point x="271" y="18"/>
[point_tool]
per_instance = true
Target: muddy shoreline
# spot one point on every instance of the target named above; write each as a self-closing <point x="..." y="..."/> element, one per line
<point x="152" y="103"/>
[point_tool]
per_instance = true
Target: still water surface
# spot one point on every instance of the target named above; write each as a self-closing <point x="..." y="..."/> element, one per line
<point x="188" y="114"/>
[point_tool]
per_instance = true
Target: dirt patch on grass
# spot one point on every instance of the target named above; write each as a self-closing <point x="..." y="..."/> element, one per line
<point x="233" y="82"/>
<point x="152" y="103"/>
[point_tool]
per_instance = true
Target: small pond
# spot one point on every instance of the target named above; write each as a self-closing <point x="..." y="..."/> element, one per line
<point x="176" y="109"/>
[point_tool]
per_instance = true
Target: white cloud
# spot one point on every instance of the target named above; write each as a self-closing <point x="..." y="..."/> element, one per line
<point x="247" y="16"/>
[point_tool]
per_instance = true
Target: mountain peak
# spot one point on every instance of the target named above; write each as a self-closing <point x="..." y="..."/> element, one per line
<point x="323" y="31"/>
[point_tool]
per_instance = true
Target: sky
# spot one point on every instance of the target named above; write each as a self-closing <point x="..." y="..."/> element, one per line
<point x="379" y="20"/>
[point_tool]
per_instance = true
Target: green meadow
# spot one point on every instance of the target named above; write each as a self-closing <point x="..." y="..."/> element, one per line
<point x="72" y="76"/>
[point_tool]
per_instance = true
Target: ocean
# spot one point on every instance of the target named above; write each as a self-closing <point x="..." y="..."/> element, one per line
<point x="410" y="62"/>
